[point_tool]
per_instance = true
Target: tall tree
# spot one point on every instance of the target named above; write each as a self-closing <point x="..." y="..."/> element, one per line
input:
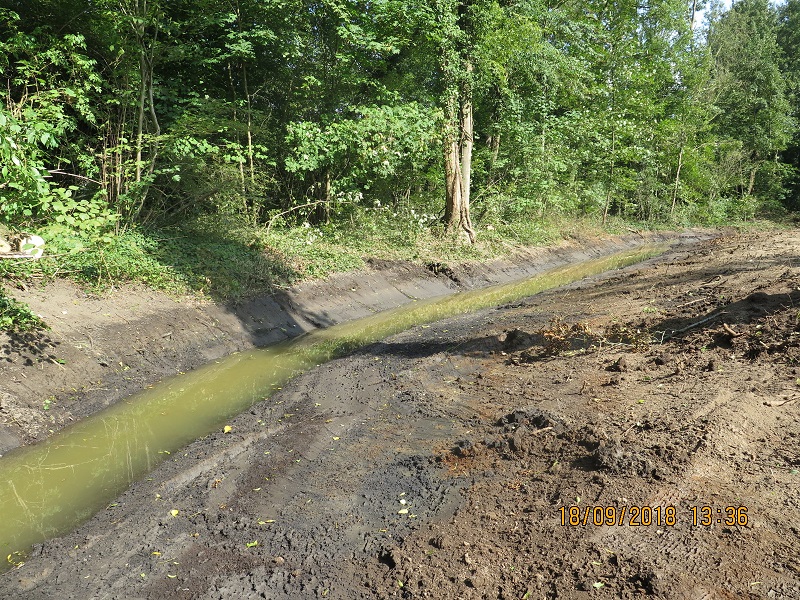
<point x="789" y="41"/>
<point x="749" y="87"/>
<point x="457" y="20"/>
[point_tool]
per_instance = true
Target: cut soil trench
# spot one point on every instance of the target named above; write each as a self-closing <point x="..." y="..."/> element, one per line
<point x="47" y="489"/>
<point x="631" y="434"/>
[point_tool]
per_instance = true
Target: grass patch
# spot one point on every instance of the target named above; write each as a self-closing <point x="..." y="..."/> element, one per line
<point x="223" y="258"/>
<point x="319" y="250"/>
<point x="217" y="258"/>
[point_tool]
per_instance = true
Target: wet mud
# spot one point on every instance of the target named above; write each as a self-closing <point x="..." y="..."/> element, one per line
<point x="632" y="435"/>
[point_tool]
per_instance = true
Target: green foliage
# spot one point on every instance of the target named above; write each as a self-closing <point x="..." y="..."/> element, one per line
<point x="751" y="101"/>
<point x="16" y="316"/>
<point x="50" y="82"/>
<point x="222" y="258"/>
<point x="751" y="105"/>
<point x="789" y="42"/>
<point x="376" y="143"/>
<point x="219" y="258"/>
<point x="199" y="121"/>
<point x="23" y="175"/>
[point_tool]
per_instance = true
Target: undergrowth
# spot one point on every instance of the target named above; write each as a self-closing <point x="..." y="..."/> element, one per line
<point x="17" y="316"/>
<point x="226" y="259"/>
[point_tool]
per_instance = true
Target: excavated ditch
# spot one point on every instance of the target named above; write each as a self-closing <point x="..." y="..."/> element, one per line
<point x="440" y="462"/>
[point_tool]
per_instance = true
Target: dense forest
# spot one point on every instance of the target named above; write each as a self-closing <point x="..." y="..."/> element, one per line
<point x="453" y="115"/>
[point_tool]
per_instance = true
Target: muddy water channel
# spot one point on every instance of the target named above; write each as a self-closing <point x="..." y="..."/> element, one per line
<point x="49" y="488"/>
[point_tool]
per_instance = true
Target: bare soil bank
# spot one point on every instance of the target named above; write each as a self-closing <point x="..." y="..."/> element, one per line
<point x="466" y="459"/>
<point x="104" y="348"/>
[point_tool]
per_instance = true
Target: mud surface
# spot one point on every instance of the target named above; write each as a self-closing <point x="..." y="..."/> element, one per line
<point x="103" y="348"/>
<point x="448" y="461"/>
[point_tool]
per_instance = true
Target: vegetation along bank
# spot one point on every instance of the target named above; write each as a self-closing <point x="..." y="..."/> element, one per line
<point x="137" y="133"/>
<point x="230" y="149"/>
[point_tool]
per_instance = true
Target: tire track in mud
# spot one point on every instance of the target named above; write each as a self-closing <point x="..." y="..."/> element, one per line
<point x="710" y="563"/>
<point x="487" y="441"/>
<point x="340" y="503"/>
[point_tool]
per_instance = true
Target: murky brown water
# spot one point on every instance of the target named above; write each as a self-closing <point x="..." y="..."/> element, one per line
<point x="49" y="488"/>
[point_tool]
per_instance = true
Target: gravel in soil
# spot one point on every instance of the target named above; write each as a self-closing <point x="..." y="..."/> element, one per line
<point x="515" y="453"/>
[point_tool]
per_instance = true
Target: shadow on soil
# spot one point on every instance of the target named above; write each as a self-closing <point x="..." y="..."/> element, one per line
<point x="756" y="305"/>
<point x="31" y="346"/>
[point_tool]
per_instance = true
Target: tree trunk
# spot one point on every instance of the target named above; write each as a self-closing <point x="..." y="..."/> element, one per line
<point x="250" y="152"/>
<point x="322" y="211"/>
<point x="452" y="163"/>
<point x="326" y="190"/>
<point x="610" y="179"/>
<point x="752" y="182"/>
<point x="677" y="182"/>
<point x="494" y="144"/>
<point x="139" y="16"/>
<point x="141" y="109"/>
<point x="467" y="141"/>
<point x="234" y="95"/>
<point x="453" y="186"/>
<point x="459" y="134"/>
<point x="156" y="133"/>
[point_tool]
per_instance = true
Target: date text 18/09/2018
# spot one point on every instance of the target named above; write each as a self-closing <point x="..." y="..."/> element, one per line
<point x="645" y="516"/>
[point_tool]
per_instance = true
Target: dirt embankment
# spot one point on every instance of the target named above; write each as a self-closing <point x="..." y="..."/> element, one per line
<point x="632" y="435"/>
<point x="103" y="348"/>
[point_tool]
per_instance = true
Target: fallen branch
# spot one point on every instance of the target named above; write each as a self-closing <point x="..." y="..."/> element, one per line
<point x="715" y="281"/>
<point x="693" y="325"/>
<point x="775" y="403"/>
<point x="60" y="172"/>
<point x="685" y="304"/>
<point x="730" y="331"/>
<point x="15" y="255"/>
<point x="294" y="208"/>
